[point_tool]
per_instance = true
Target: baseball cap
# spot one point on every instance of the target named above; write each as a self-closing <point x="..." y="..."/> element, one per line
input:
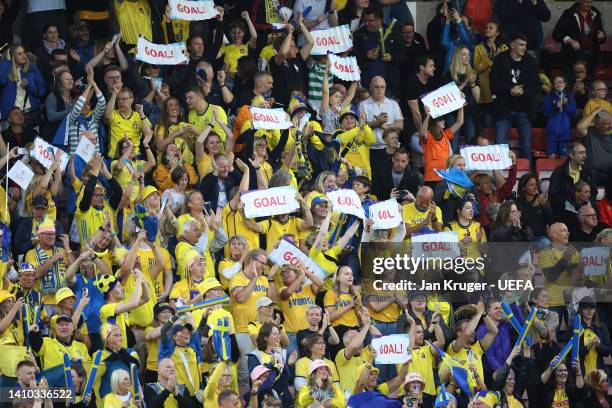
<point x="178" y="327"/>
<point x="63" y="318"/>
<point x="586" y="301"/>
<point x="263" y="301"/>
<point x="318" y="200"/>
<point x="40" y="201"/>
<point x="160" y="307"/>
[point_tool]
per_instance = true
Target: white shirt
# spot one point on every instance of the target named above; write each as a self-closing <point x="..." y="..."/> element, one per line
<point x="373" y="108"/>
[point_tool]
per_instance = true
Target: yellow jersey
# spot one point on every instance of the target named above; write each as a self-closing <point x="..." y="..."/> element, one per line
<point x="590" y="359"/>
<point x="134" y="19"/>
<point x="52" y="353"/>
<point x="302" y="368"/>
<point x="147" y="262"/>
<point x="232" y="53"/>
<point x="121" y="126"/>
<point x="294" y="309"/>
<point x="53" y="279"/>
<point x="348" y="368"/>
<point x="423" y="362"/>
<point x="247" y="311"/>
<point x="233" y="224"/>
<point x="464" y="356"/>
<point x="201" y="121"/>
<point x="471" y="230"/>
<point x="152" y="350"/>
<point x="179" y="141"/>
<point x="390" y="313"/>
<point x="273" y="228"/>
<point x="550" y="257"/>
<point x="142" y="316"/>
<point x="413" y="216"/>
<point x="124" y="178"/>
<point x="108" y="315"/>
<point x="349" y="318"/>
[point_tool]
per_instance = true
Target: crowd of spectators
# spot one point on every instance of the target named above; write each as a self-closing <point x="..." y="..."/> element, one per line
<point x="141" y="268"/>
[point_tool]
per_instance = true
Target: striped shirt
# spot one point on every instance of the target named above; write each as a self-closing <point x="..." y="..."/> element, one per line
<point x="315" y="85"/>
<point x="77" y="124"/>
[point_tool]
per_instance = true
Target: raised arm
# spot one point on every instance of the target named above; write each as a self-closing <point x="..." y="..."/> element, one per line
<point x="469" y="329"/>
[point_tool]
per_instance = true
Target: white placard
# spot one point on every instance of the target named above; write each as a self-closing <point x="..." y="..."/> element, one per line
<point x="190" y="10"/>
<point x="438" y="245"/>
<point x="161" y="54"/>
<point x="385" y="214"/>
<point x="346" y="201"/>
<point x="21" y="174"/>
<point x="287" y="253"/>
<point x="44" y="153"/>
<point x="86" y="149"/>
<point x="269" y="118"/>
<point x="493" y="157"/>
<point x="344" y="68"/>
<point x="272" y="201"/>
<point x="392" y="349"/>
<point x="595" y="260"/>
<point x="334" y="40"/>
<point x="443" y="100"/>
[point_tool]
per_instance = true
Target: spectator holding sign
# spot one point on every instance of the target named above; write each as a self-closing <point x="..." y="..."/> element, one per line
<point x="436" y="142"/>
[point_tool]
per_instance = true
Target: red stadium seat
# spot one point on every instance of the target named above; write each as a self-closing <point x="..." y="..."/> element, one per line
<point x="538" y="139"/>
<point x="545" y="167"/>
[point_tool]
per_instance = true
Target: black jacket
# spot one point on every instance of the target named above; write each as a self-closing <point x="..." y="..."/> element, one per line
<point x="561" y="187"/>
<point x="23" y="236"/>
<point x="523" y="18"/>
<point x="383" y="184"/>
<point x="506" y="73"/>
<point x="210" y="187"/>
<point x="568" y="26"/>
<point x="536" y="217"/>
<point x="604" y="349"/>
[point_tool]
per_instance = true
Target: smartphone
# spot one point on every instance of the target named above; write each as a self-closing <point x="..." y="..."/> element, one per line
<point x="208" y="206"/>
<point x="22" y="151"/>
<point x="85" y="292"/>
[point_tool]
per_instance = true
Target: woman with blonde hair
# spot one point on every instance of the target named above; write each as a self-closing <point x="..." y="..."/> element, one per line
<point x="222" y="378"/>
<point x="121" y="396"/>
<point x="320" y="388"/>
<point x="466" y="78"/>
<point x="22" y="85"/>
<point x="597" y="390"/>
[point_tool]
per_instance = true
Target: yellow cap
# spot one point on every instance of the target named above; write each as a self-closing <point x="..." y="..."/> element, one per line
<point x="63" y="293"/>
<point x="4" y="295"/>
<point x="209" y="284"/>
<point x="362" y="367"/>
<point x="148" y="190"/>
<point x="119" y="255"/>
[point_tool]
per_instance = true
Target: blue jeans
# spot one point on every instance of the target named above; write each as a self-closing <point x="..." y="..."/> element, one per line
<point x="521" y="121"/>
<point x="387" y="371"/>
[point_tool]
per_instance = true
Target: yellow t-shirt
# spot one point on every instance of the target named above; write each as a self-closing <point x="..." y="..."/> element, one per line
<point x="423" y="362"/>
<point x="203" y="120"/>
<point x="233" y="224"/>
<point x="590" y="359"/>
<point x="463" y="356"/>
<point x="246" y="312"/>
<point x="180" y="29"/>
<point x="134" y="19"/>
<point x="560" y="400"/>
<point x="147" y="262"/>
<point x="108" y="315"/>
<point x="548" y="258"/>
<point x="294" y="309"/>
<point x="274" y="229"/>
<point x="124" y="177"/>
<point x="121" y="127"/>
<point x="142" y="316"/>
<point x="152" y="350"/>
<point x="413" y="216"/>
<point x="267" y="52"/>
<point x="112" y="401"/>
<point x="188" y="289"/>
<point x="232" y="53"/>
<point x="182" y="248"/>
<point x="471" y="230"/>
<point x="348" y="368"/>
<point x="327" y="260"/>
<point x="388" y="314"/>
<point x="332" y="299"/>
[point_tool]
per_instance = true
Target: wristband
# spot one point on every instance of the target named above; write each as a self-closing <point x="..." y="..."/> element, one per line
<point x="257" y="168"/>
